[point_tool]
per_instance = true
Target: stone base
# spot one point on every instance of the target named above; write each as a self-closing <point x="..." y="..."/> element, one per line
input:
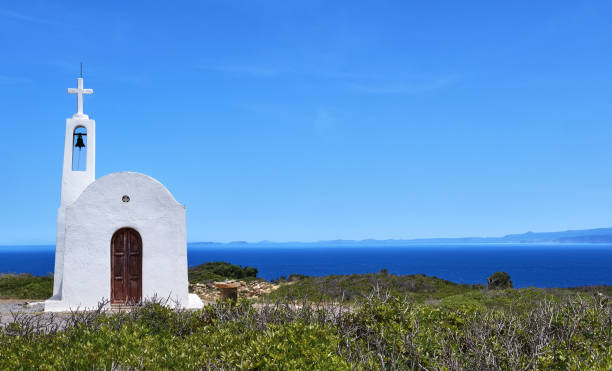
<point x="195" y="302"/>
<point x="56" y="304"/>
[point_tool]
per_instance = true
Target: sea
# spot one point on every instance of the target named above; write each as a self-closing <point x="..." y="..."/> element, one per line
<point x="538" y="265"/>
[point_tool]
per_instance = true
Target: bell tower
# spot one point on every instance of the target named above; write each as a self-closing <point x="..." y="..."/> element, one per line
<point x="78" y="172"/>
<point x="79" y="150"/>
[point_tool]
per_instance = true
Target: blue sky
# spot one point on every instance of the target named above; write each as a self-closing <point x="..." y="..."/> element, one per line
<point x="313" y="120"/>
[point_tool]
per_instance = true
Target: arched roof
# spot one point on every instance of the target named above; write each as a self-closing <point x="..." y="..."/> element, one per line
<point x="137" y="186"/>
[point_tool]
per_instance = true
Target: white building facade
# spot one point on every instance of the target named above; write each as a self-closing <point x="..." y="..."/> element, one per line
<point x="121" y="239"/>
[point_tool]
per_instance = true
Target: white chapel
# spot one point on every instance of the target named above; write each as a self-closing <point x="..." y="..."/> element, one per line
<point x="121" y="238"/>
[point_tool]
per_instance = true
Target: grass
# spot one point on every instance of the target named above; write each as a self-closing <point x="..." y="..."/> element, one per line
<point x="25" y="286"/>
<point x="419" y="287"/>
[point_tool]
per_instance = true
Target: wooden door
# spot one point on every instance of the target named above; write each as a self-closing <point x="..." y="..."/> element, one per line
<point x="126" y="267"/>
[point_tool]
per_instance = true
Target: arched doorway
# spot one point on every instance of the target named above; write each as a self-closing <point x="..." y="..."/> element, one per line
<point x="126" y="266"/>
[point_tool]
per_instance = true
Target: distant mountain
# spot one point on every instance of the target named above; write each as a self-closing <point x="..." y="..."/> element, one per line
<point x="587" y="239"/>
<point x="599" y="235"/>
<point x="586" y="235"/>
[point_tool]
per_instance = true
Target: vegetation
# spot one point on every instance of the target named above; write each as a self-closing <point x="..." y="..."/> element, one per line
<point x="220" y="271"/>
<point x="349" y="287"/>
<point x="424" y="289"/>
<point x="291" y="278"/>
<point x="25" y="286"/>
<point x="378" y="331"/>
<point x="371" y="321"/>
<point x="499" y="280"/>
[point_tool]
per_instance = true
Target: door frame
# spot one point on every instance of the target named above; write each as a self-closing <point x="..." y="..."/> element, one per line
<point x="126" y="275"/>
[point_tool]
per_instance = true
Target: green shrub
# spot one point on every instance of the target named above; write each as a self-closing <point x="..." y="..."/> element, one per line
<point x="25" y="286"/>
<point x="219" y="271"/>
<point x="250" y="272"/>
<point x="499" y="280"/>
<point x="297" y="346"/>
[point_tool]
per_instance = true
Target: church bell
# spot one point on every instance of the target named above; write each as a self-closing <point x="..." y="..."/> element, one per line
<point x="79" y="143"/>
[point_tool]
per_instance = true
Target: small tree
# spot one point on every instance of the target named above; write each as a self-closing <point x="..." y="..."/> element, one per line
<point x="499" y="280"/>
<point x="250" y="271"/>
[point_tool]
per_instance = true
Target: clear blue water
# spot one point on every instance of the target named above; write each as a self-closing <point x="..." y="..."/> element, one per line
<point x="528" y="265"/>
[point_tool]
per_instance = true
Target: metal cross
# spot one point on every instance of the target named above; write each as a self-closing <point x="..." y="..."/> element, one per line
<point x="79" y="91"/>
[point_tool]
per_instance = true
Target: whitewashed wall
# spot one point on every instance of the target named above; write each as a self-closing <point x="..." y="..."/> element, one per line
<point x="91" y="222"/>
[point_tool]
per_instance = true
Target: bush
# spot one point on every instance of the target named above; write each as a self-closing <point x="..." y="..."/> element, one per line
<point x="220" y="271"/>
<point x="250" y="271"/>
<point x="499" y="280"/>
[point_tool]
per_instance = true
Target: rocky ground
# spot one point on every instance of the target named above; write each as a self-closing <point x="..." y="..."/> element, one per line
<point x="249" y="290"/>
<point x="8" y="307"/>
<point x="19" y="305"/>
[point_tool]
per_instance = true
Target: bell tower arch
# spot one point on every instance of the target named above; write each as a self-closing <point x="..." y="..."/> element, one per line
<point x="80" y="139"/>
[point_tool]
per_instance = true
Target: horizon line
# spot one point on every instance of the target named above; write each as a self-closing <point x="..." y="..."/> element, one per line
<point x="351" y="240"/>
